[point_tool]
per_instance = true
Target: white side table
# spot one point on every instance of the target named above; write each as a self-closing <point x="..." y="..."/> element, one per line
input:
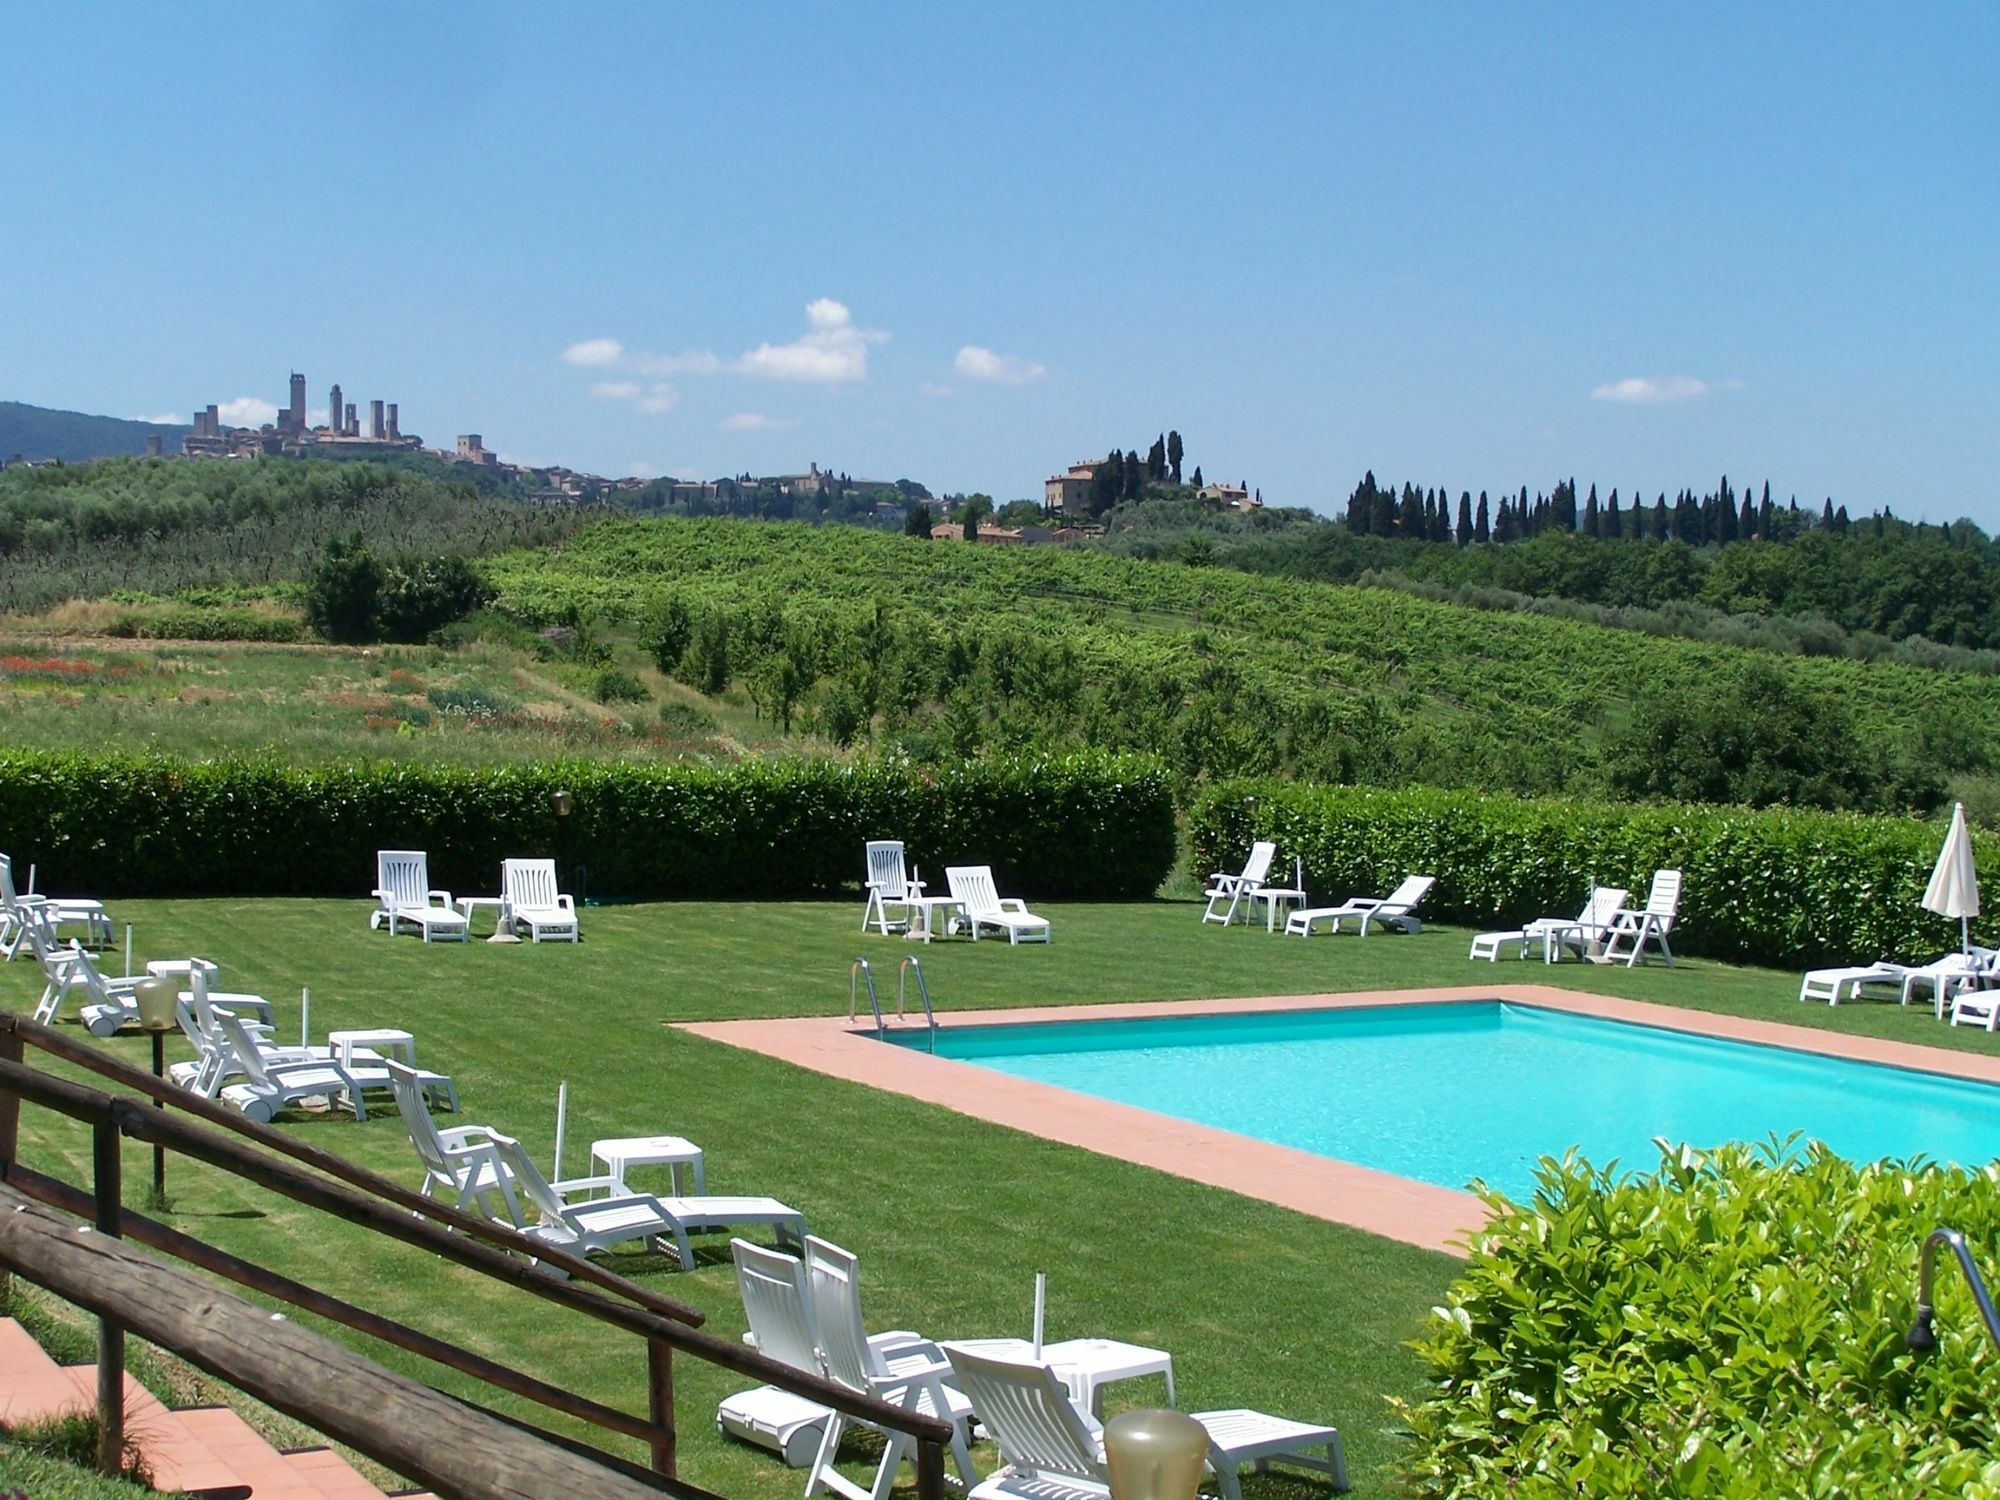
<point x="1086" y="1365"/>
<point x="503" y="916"/>
<point x="927" y="909"/>
<point x="621" y="1153"/>
<point x="396" y="1042"/>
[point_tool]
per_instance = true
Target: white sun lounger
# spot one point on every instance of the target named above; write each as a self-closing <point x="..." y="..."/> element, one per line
<point x="1392" y="910"/>
<point x="1835" y="985"/>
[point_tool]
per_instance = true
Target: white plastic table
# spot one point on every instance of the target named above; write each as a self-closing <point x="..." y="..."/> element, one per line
<point x="1086" y="1365"/>
<point x="624" y="1152"/>
<point x="503" y="917"/>
<point x="1275" y="896"/>
<point x="398" y="1043"/>
<point x="927" y="908"/>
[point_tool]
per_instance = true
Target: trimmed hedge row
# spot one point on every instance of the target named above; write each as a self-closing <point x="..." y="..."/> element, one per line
<point x="1086" y="825"/>
<point x="1772" y="887"/>
<point x="1727" y="1325"/>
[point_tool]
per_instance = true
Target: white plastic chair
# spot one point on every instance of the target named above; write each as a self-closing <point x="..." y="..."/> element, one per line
<point x="903" y="1369"/>
<point x="528" y="886"/>
<point x="60" y="912"/>
<point x="273" y="1083"/>
<point x="601" y="1223"/>
<point x="1239" y="889"/>
<point x="1631" y="932"/>
<point x="1581" y="932"/>
<point x="464" y="1161"/>
<point x="972" y="888"/>
<point x="403" y="891"/>
<point x="889" y="884"/>
<point x="1392" y="910"/>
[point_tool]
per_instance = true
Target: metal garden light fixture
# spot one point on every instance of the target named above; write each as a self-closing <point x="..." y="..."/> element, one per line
<point x="156" y="999"/>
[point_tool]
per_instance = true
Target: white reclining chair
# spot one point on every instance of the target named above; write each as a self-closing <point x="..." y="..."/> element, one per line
<point x="1239" y="889"/>
<point x="1630" y="933"/>
<point x="464" y="1162"/>
<point x="1584" y="931"/>
<point x="903" y="1369"/>
<point x="1055" y="1452"/>
<point x="403" y="894"/>
<point x="1392" y="910"/>
<point x="528" y="886"/>
<point x="972" y="888"/>
<point x="272" y="1083"/>
<point x="600" y="1223"/>
<point x="61" y="912"/>
<point x="889" y="884"/>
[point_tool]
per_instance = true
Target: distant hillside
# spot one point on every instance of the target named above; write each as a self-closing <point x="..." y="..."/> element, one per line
<point x="75" y="437"/>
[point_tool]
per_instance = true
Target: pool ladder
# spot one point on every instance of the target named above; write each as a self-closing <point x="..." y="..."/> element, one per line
<point x="859" y="973"/>
<point x="1921" y="1336"/>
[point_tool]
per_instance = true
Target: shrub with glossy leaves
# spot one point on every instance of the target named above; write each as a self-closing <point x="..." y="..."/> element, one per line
<point x="1729" y="1325"/>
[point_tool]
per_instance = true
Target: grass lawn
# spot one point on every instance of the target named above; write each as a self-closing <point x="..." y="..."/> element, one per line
<point x="951" y="1216"/>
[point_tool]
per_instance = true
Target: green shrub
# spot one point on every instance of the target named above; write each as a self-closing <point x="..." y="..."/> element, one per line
<point x="472" y="702"/>
<point x="420" y="596"/>
<point x="687" y="718"/>
<point x="207" y="624"/>
<point x="1730" y="1325"/>
<point x="616" y="685"/>
<point x="1772" y="887"/>
<point x="1081" y="826"/>
<point x="343" y="595"/>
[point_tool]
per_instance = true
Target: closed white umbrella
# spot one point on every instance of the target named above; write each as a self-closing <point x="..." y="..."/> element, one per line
<point x="1954" y="887"/>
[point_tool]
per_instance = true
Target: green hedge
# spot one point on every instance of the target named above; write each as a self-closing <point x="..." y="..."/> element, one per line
<point x="1731" y="1325"/>
<point x="1774" y="887"/>
<point x="1091" y="825"/>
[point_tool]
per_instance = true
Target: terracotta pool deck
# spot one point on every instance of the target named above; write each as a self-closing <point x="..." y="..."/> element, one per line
<point x="1415" y="1212"/>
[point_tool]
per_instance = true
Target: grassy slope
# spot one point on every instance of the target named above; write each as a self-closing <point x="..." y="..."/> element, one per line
<point x="952" y="1216"/>
<point x="1536" y="679"/>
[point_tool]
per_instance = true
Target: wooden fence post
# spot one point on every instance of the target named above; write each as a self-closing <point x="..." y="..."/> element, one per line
<point x="660" y="1402"/>
<point x="10" y="1133"/>
<point x="107" y="1178"/>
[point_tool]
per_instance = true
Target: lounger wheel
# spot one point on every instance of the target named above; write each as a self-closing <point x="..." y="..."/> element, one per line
<point x="259" y="1110"/>
<point x="102" y="1025"/>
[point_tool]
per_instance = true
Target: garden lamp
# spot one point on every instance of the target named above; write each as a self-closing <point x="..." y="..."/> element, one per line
<point x="1154" y="1455"/>
<point x="157" y="999"/>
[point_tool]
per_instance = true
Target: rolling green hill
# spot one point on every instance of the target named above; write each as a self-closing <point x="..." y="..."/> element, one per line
<point x="940" y="648"/>
<point x="40" y="432"/>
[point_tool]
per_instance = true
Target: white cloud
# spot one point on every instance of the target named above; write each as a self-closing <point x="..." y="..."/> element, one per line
<point x="1652" y="390"/>
<point x="659" y="397"/>
<point x="615" y="390"/>
<point x="656" y="397"/>
<point x="934" y="389"/>
<point x="755" y="421"/>
<point x="976" y="363"/>
<point x="834" y="352"/>
<point x="165" y="418"/>
<point x="687" y="362"/>
<point x="594" y="352"/>
<point x="246" y="411"/>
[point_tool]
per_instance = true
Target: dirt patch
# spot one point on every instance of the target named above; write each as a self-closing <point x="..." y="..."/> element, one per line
<point x="373" y="702"/>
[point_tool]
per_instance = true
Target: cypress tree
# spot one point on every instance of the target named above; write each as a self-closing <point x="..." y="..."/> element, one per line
<point x="1196" y="481"/>
<point x="1840" y="521"/>
<point x="1382" y="517"/>
<point x="1593" y="518"/>
<point x="1764" y="513"/>
<point x="1411" y="521"/>
<point x="1361" y="506"/>
<point x="1826" y="515"/>
<point x="1746" y="523"/>
<point x="1174" y="452"/>
<point x="1465" y="518"/>
<point x="1482" y="531"/>
<point x="1135" y="476"/>
<point x="1660" y="517"/>
<point x="1612" y="527"/>
<point x="1562" y="506"/>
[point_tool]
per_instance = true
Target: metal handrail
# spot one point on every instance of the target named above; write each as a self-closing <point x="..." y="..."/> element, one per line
<point x="1921" y="1337"/>
<point x="923" y="993"/>
<point x="857" y="972"/>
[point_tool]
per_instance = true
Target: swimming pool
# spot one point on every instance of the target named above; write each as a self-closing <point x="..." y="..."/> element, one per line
<point x="1445" y="1093"/>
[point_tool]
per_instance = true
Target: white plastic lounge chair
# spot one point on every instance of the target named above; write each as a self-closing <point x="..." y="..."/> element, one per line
<point x="528" y="886"/>
<point x="1943" y="977"/>
<point x="1630" y="932"/>
<point x="1392" y="910"/>
<point x="773" y="1287"/>
<point x="903" y="1369"/>
<point x="61" y="912"/>
<point x="1238" y="889"/>
<point x="1055" y="1452"/>
<point x="463" y="1162"/>
<point x="403" y="889"/>
<point x="889" y="884"/>
<point x="972" y="888"/>
<point x="600" y="1223"/>
<point x="273" y="1084"/>
<point x="1850" y="983"/>
<point x="1975" y="1006"/>
<point x="1581" y="932"/>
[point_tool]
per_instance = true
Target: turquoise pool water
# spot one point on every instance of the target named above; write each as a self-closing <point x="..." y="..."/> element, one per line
<point x="1447" y="1093"/>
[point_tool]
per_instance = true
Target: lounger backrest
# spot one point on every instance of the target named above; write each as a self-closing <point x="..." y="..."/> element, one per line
<point x="834" y="1289"/>
<point x="1605" y="902"/>
<point x="241" y="1048"/>
<point x="405" y="874"/>
<point x="8" y="899"/>
<point x="1410" y="892"/>
<point x="1027" y="1410"/>
<point x="84" y="967"/>
<point x="773" y="1287"/>
<point x="1258" y="866"/>
<point x="417" y="1120"/>
<point x="972" y="887"/>
<point x="528" y="1177"/>
<point x="886" y="872"/>
<point x="1664" y="900"/>
<point x="529" y="884"/>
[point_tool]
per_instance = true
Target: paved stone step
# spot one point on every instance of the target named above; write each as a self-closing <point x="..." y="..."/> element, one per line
<point x="178" y="1456"/>
<point x="270" y="1474"/>
<point x="335" y="1477"/>
<point x="31" y="1384"/>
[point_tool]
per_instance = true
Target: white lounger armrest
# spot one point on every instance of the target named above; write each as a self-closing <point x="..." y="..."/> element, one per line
<point x="467" y="1137"/>
<point x="588" y="1184"/>
<point x="567" y="903"/>
<point x="443" y="896"/>
<point x="1014" y="905"/>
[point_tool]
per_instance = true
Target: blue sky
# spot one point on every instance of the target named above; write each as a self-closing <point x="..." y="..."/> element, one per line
<point x="1472" y="246"/>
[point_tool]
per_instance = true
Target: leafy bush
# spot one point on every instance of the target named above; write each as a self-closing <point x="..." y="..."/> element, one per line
<point x="472" y="702"/>
<point x="1083" y="826"/>
<point x="343" y="595"/>
<point x="686" y="718"/>
<point x="616" y="685"/>
<point x="420" y="596"/>
<point x="1776" y="887"/>
<point x="1730" y="1325"/>
<point x="206" y="624"/>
